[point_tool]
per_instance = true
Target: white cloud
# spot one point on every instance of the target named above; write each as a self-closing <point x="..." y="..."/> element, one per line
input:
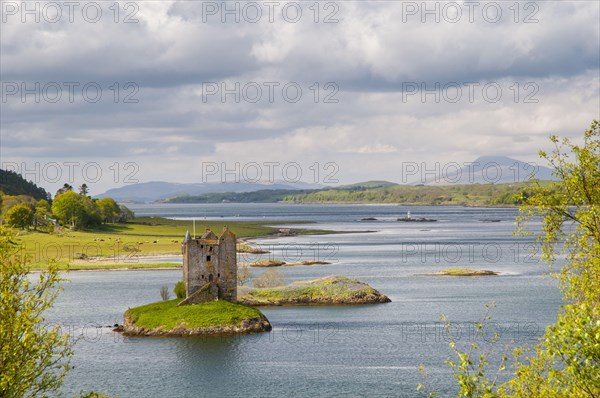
<point x="369" y="54"/>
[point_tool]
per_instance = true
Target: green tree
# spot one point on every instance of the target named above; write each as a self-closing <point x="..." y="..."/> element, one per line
<point x="84" y="189"/>
<point x="19" y="216"/>
<point x="65" y="188"/>
<point x="109" y="209"/>
<point x="34" y="357"/>
<point x="78" y="211"/>
<point x="10" y="201"/>
<point x="40" y="216"/>
<point x="565" y="363"/>
<point x="125" y="214"/>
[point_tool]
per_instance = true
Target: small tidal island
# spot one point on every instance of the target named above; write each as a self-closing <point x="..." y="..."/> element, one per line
<point x="279" y="263"/>
<point x="331" y="290"/>
<point x="409" y="218"/>
<point x="461" y="272"/>
<point x="166" y="318"/>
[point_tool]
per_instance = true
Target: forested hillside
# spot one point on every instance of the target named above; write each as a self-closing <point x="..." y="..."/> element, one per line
<point x="14" y="184"/>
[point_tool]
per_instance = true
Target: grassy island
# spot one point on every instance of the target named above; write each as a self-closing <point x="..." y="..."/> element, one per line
<point x="280" y="263"/>
<point x="461" y="272"/>
<point x="165" y="318"/>
<point x="267" y="263"/>
<point x="330" y="290"/>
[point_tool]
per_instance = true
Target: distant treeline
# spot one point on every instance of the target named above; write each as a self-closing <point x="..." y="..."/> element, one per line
<point x="377" y="192"/>
<point x="468" y="194"/>
<point x="262" y="196"/>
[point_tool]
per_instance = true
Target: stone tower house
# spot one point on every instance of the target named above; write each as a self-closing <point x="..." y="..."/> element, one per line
<point x="210" y="267"/>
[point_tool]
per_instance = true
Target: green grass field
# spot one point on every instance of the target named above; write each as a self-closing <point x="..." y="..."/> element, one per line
<point x="148" y="236"/>
<point x="167" y="315"/>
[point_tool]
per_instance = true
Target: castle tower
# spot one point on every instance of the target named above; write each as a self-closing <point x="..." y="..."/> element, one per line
<point x="228" y="265"/>
<point x="210" y="267"/>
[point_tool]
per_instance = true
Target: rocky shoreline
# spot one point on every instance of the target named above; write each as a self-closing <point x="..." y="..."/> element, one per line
<point x="307" y="301"/>
<point x="247" y="326"/>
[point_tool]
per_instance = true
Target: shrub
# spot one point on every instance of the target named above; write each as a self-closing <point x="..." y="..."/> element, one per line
<point x="270" y="278"/>
<point x="164" y="293"/>
<point x="243" y="274"/>
<point x="179" y="290"/>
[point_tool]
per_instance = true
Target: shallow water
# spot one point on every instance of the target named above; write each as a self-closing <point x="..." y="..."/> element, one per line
<point x="322" y="351"/>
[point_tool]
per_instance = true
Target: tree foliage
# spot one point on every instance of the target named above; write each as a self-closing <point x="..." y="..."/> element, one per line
<point x="565" y="363"/>
<point x="19" y="216"/>
<point x="109" y="210"/>
<point x="12" y="183"/>
<point x="9" y="202"/>
<point x="179" y="290"/>
<point x="34" y="357"/>
<point x="75" y="210"/>
<point x="40" y="216"/>
<point x="84" y="189"/>
<point x="65" y="188"/>
<point x="125" y="214"/>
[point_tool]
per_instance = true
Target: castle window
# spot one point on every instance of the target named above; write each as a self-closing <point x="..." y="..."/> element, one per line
<point x="202" y="276"/>
<point x="207" y="258"/>
<point x="218" y="275"/>
<point x="201" y="246"/>
<point x="210" y="249"/>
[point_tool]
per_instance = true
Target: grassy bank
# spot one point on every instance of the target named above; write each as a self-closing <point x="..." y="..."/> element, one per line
<point x="113" y="266"/>
<point x="129" y="243"/>
<point x="329" y="290"/>
<point x="166" y="318"/>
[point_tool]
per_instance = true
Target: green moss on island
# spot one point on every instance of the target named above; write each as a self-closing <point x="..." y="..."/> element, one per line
<point x="331" y="290"/>
<point x="165" y="318"/>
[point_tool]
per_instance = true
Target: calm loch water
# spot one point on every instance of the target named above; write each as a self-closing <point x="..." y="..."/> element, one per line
<point x="322" y="351"/>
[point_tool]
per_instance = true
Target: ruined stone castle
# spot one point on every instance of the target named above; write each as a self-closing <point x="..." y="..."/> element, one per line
<point x="209" y="267"/>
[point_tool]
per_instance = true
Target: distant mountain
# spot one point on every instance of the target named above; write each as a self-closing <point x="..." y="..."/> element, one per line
<point x="12" y="183"/>
<point x="160" y="190"/>
<point x="487" y="170"/>
<point x="483" y="170"/>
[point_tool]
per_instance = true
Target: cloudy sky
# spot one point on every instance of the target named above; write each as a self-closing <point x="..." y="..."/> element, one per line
<point x="332" y="86"/>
